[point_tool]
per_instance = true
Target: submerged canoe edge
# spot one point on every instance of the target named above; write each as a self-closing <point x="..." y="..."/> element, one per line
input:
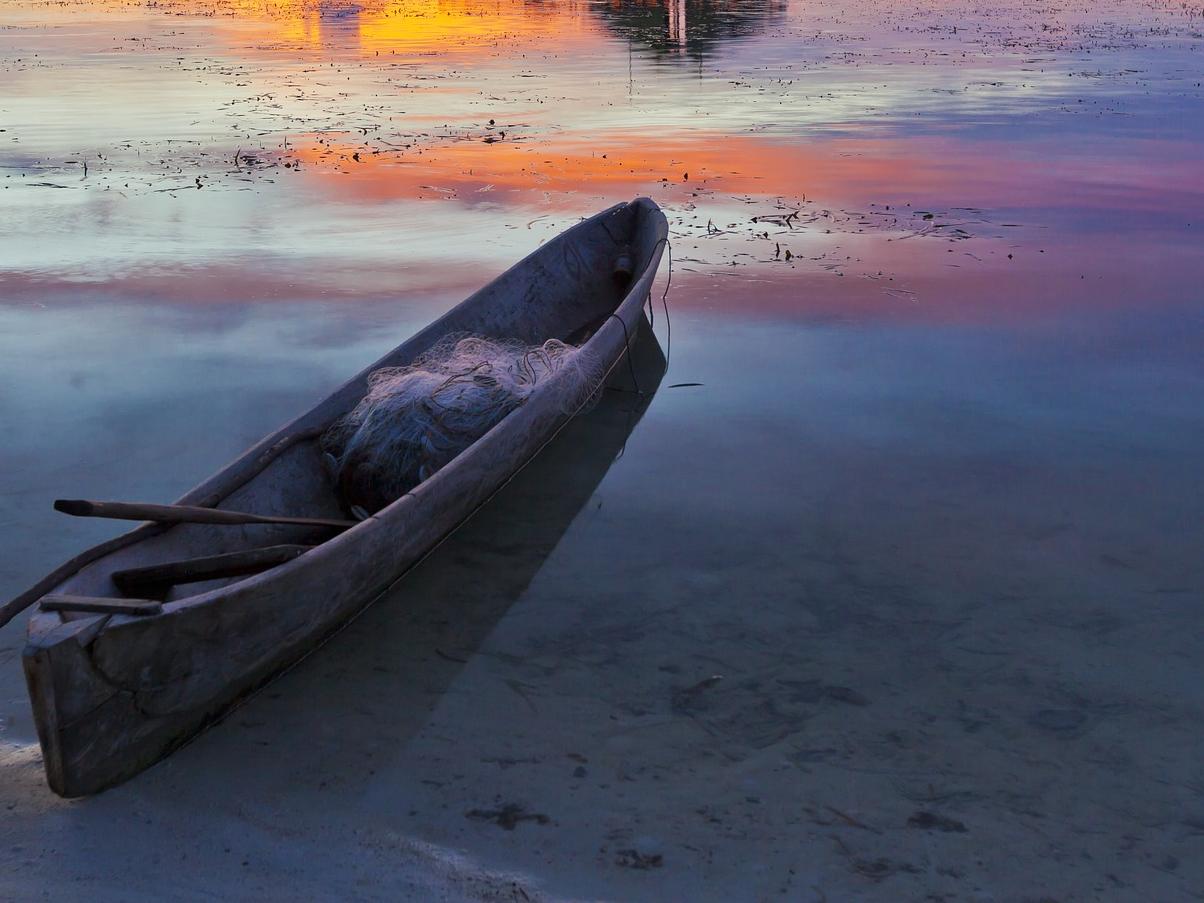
<point x="113" y="694"/>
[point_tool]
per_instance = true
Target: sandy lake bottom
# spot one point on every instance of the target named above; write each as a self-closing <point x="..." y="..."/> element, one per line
<point x="892" y="590"/>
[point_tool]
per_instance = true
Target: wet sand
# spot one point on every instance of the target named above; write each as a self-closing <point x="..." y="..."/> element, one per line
<point x="903" y="602"/>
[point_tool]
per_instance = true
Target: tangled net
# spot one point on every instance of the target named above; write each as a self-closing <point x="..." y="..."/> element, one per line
<point x="417" y="418"/>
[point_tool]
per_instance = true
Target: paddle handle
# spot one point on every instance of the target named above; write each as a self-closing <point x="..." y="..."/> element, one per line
<point x="186" y="514"/>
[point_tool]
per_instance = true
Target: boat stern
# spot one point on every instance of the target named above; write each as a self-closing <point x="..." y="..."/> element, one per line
<point x="64" y="686"/>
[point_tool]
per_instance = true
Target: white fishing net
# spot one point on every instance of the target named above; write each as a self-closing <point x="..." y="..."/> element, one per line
<point x="417" y="418"/>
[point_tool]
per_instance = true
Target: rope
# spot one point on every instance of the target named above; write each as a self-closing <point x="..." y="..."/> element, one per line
<point x="627" y="350"/>
<point x="665" y="303"/>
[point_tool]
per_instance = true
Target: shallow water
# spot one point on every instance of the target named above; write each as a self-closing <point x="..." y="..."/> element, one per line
<point x="903" y="599"/>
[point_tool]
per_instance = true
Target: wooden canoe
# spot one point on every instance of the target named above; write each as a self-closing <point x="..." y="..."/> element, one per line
<point x="114" y="693"/>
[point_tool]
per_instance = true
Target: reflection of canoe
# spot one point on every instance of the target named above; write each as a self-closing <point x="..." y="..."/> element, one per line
<point x="456" y="597"/>
<point x="114" y="693"/>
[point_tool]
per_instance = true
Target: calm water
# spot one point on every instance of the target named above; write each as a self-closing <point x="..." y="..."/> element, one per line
<point x="906" y="598"/>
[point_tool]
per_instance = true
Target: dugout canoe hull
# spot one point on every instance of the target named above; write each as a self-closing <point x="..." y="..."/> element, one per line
<point x="112" y="694"/>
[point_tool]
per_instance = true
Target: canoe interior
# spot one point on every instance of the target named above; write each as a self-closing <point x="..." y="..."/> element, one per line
<point x="556" y="292"/>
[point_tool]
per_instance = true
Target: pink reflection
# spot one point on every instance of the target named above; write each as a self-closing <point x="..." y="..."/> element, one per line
<point x="920" y="172"/>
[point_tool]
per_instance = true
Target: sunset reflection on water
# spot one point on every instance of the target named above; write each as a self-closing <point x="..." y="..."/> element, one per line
<point x="720" y="110"/>
<point x="929" y="438"/>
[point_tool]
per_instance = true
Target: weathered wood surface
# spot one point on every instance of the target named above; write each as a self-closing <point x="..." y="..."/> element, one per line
<point x="210" y="493"/>
<point x="111" y="700"/>
<point x="100" y="605"/>
<point x="253" y="463"/>
<point x="210" y="567"/>
<point x="186" y="514"/>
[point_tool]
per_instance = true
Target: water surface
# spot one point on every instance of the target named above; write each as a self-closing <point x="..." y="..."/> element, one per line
<point x="903" y="599"/>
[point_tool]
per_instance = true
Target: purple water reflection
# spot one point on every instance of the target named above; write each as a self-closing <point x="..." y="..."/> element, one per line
<point x="933" y="515"/>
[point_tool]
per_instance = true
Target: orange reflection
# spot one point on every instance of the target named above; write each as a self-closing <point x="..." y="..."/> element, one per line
<point x="610" y="164"/>
<point x="446" y="23"/>
<point x="384" y="26"/>
<point x="925" y="172"/>
<point x="478" y="166"/>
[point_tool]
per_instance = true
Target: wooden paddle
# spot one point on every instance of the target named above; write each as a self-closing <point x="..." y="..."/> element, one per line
<point x="187" y="514"/>
<point x="244" y="474"/>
